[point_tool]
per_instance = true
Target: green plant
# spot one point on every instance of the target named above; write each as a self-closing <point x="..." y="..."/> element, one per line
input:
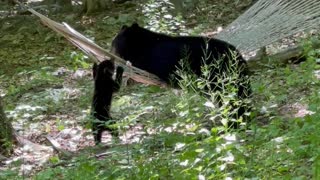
<point x="78" y="60"/>
<point x="219" y="82"/>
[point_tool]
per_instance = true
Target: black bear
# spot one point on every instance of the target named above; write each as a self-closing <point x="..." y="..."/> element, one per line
<point x="104" y="87"/>
<point x="160" y="54"/>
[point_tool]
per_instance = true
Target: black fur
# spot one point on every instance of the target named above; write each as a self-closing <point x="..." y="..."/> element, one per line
<point x="104" y="87"/>
<point x="160" y="54"/>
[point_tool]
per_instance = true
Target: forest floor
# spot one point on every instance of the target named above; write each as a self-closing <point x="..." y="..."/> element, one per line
<point x="47" y="86"/>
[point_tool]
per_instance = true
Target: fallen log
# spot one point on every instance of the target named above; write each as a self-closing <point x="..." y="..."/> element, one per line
<point x="56" y="146"/>
<point x="290" y="55"/>
<point x="34" y="146"/>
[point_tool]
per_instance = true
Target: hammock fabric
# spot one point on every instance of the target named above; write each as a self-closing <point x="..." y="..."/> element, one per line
<point x="96" y="53"/>
<point x="268" y="21"/>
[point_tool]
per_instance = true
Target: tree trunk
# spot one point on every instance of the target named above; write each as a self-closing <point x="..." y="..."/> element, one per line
<point x="6" y="133"/>
<point x="183" y="6"/>
<point x="92" y="6"/>
<point x="62" y="3"/>
<point x="58" y="5"/>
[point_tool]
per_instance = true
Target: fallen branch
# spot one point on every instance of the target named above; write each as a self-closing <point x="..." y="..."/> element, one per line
<point x="104" y="154"/>
<point x="56" y="146"/>
<point x="36" y="147"/>
<point x="282" y="57"/>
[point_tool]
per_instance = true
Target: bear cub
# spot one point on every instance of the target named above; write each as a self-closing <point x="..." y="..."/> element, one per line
<point x="104" y="87"/>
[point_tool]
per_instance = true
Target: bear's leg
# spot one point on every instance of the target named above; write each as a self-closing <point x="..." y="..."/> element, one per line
<point x="97" y="129"/>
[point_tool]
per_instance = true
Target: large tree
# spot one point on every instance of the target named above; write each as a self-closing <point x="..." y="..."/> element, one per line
<point x="64" y="5"/>
<point x="91" y="6"/>
<point x="6" y="133"/>
<point x="59" y="2"/>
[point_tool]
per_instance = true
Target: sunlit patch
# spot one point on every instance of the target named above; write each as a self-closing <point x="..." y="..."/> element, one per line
<point x="295" y="110"/>
<point x="278" y="139"/>
<point x="179" y="146"/>
<point x="24" y="110"/>
<point x="155" y="11"/>
<point x="184" y="163"/>
<point x="228" y="158"/>
<point x="317" y="74"/>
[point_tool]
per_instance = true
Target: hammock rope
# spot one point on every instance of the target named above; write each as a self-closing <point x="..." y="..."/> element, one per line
<point x="268" y="21"/>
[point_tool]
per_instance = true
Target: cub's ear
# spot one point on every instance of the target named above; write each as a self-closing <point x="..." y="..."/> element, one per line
<point x="119" y="70"/>
<point x="94" y="69"/>
<point x="135" y="24"/>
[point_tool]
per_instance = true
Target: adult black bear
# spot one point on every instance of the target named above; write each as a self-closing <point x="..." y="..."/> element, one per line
<point x="160" y="54"/>
<point x="104" y="87"/>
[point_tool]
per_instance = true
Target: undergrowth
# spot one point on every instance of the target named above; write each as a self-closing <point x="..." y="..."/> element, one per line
<point x="183" y="134"/>
<point x="177" y="144"/>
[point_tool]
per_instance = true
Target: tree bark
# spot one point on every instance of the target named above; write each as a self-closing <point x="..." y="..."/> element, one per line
<point x="92" y="6"/>
<point x="64" y="2"/>
<point x="6" y="133"/>
<point x="58" y="5"/>
<point x="58" y="2"/>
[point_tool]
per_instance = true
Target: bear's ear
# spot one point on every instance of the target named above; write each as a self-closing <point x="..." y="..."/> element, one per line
<point x="135" y="25"/>
<point x="124" y="27"/>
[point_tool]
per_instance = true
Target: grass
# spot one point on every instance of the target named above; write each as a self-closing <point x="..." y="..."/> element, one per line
<point x="176" y="141"/>
<point x="180" y="147"/>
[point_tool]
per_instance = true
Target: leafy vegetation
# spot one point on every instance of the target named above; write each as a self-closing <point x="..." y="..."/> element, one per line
<point x="167" y="133"/>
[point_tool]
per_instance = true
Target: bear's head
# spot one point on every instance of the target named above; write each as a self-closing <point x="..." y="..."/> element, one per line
<point x="128" y="38"/>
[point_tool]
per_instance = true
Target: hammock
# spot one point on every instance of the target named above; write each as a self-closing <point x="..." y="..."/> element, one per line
<point x="97" y="53"/>
<point x="268" y="21"/>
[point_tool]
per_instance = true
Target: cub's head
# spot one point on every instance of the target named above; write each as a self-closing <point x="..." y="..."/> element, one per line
<point x="104" y="70"/>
